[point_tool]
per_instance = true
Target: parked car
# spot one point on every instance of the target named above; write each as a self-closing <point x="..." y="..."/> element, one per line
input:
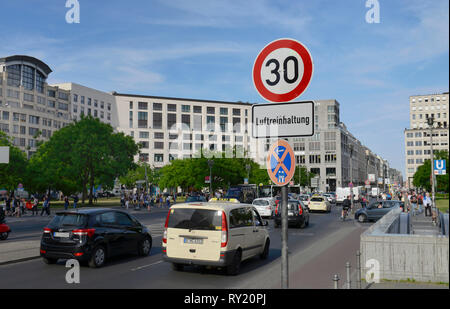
<point x="298" y="214"/>
<point x="319" y="203"/>
<point x="195" y="198"/>
<point x="93" y="235"/>
<point x="218" y="234"/>
<point x="330" y="197"/>
<point x="106" y="194"/>
<point x="265" y="206"/>
<point x="377" y="209"/>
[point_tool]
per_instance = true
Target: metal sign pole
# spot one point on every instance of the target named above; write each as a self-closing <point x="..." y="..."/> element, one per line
<point x="284" y="239"/>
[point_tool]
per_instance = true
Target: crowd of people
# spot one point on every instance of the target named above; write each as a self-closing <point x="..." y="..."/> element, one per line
<point x="15" y="206"/>
<point x="143" y="200"/>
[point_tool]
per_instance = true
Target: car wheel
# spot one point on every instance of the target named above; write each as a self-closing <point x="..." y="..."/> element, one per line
<point x="145" y="246"/>
<point x="4" y="236"/>
<point x="303" y="224"/>
<point x="265" y="252"/>
<point x="49" y="261"/>
<point x="233" y="268"/>
<point x="177" y="267"/>
<point x="362" y="218"/>
<point x="98" y="257"/>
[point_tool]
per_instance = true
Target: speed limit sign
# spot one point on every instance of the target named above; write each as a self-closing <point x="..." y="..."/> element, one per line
<point x="282" y="71"/>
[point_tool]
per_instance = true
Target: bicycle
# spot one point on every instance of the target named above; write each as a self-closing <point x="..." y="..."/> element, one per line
<point x="345" y="214"/>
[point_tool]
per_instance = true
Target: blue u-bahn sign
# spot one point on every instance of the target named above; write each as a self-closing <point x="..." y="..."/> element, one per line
<point x="440" y="167"/>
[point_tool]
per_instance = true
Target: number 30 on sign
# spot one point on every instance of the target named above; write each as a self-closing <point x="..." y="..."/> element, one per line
<point x="283" y="70"/>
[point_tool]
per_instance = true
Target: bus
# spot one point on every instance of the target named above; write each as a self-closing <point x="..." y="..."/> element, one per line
<point x="243" y="193"/>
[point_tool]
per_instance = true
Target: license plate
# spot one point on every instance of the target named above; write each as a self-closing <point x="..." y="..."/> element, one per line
<point x="61" y="235"/>
<point x="290" y="213"/>
<point x="193" y="241"/>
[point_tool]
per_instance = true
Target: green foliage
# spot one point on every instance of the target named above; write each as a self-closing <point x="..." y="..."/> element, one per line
<point x="14" y="172"/>
<point x="82" y="155"/>
<point x="423" y="173"/>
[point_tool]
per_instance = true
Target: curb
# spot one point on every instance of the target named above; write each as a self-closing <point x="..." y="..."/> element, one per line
<point x="20" y="260"/>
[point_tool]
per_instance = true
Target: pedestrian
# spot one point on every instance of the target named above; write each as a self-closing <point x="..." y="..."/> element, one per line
<point x="34" y="210"/>
<point x="161" y="201"/>
<point x="413" y="202"/>
<point x="122" y="201"/>
<point x="8" y="205"/>
<point x="44" y="205"/>
<point x="427" y="202"/>
<point x="66" y="202"/>
<point x="127" y="202"/>
<point x="420" y="202"/>
<point x="75" y="201"/>
<point x="16" y="208"/>
<point x="152" y="202"/>
<point x="168" y="201"/>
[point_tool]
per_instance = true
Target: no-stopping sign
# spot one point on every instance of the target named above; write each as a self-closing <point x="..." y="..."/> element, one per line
<point x="283" y="70"/>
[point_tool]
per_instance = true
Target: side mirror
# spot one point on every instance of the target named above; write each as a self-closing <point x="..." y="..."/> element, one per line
<point x="266" y="223"/>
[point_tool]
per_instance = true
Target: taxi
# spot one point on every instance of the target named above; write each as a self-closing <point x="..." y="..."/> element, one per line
<point x="319" y="203"/>
<point x="219" y="233"/>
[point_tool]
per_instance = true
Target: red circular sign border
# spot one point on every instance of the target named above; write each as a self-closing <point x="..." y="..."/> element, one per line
<point x="290" y="153"/>
<point x="307" y="75"/>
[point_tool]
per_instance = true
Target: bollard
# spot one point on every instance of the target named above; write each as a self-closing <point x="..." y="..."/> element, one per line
<point x="358" y="265"/>
<point x="336" y="281"/>
<point x="347" y="266"/>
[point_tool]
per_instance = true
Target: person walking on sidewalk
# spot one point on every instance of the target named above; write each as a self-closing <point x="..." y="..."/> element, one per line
<point x="66" y="202"/>
<point x="34" y="209"/>
<point x="414" y="203"/>
<point x="44" y="206"/>
<point x="427" y="203"/>
<point x="75" y="201"/>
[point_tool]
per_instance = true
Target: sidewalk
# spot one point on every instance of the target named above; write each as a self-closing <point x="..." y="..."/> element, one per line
<point x="390" y="285"/>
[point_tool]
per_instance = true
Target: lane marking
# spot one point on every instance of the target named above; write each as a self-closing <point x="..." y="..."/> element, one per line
<point x="145" y="266"/>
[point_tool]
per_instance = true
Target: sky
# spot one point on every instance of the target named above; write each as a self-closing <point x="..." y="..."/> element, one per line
<point x="205" y="49"/>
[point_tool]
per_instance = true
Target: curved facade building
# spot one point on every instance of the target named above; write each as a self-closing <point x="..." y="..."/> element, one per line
<point x="30" y="109"/>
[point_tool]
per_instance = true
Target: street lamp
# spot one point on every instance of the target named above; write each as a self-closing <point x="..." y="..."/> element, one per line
<point x="351" y="175"/>
<point x="210" y="164"/>
<point x="430" y="122"/>
<point x="248" y="168"/>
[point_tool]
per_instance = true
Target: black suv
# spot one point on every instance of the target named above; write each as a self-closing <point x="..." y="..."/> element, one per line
<point x="298" y="214"/>
<point x="93" y="235"/>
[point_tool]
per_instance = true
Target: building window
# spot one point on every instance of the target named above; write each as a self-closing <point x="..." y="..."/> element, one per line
<point x="157" y="120"/>
<point x="210" y="110"/>
<point x="210" y="123"/>
<point x="28" y="77"/>
<point x="159" y="145"/>
<point x="171" y="121"/>
<point x="13" y="75"/>
<point x="186" y="121"/>
<point x="157" y="106"/>
<point x="143" y="157"/>
<point x="159" y="157"/>
<point x="171" y="107"/>
<point x="142" y="120"/>
<point x="158" y="135"/>
<point x="40" y="80"/>
<point x="224" y="124"/>
<point x="89" y="101"/>
<point x="186" y="108"/>
<point x="143" y="134"/>
<point x="236" y="112"/>
<point x="144" y="144"/>
<point x="144" y="105"/>
<point x="237" y="125"/>
<point x="28" y="97"/>
<point x="197" y="109"/>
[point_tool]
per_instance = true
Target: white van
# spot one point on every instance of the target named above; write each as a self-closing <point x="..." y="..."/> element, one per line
<point x="341" y="194"/>
<point x="215" y="233"/>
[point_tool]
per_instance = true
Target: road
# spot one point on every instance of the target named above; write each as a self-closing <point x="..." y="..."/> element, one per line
<point x="315" y="254"/>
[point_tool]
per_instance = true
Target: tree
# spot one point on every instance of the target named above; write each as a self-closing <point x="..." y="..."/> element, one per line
<point x="14" y="172"/>
<point x="422" y="177"/>
<point x="84" y="154"/>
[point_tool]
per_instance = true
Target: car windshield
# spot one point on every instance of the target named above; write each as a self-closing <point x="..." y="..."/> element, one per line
<point x="195" y="219"/>
<point x="260" y="202"/>
<point x="68" y="220"/>
<point x="292" y="206"/>
<point x="317" y="199"/>
<point x="193" y="199"/>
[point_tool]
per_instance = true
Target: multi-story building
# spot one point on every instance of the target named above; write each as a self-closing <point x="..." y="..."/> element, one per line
<point x="92" y="102"/>
<point x="171" y="128"/>
<point x="31" y="110"/>
<point x="418" y="136"/>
